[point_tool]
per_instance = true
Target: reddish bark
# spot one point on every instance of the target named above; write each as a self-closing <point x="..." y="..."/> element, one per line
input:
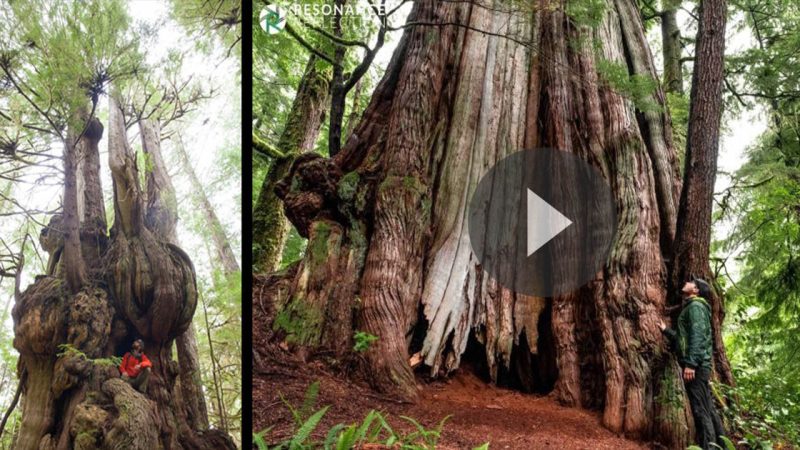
<point x="388" y="249"/>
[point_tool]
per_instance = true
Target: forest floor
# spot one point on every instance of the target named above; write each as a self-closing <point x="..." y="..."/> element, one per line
<point x="479" y="411"/>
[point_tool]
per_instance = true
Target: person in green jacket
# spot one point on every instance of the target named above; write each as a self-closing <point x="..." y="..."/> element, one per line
<point x="693" y="342"/>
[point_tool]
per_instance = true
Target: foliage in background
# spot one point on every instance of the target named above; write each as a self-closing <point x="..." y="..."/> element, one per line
<point x="217" y="319"/>
<point x="279" y="62"/>
<point x="762" y="409"/>
<point x="211" y="20"/>
<point x="757" y="258"/>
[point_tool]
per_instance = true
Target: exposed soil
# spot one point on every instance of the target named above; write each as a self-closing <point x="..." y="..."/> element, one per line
<point x="479" y="411"/>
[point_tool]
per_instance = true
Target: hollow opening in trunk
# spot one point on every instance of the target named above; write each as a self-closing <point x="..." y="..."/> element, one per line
<point x="533" y="370"/>
<point x="125" y="343"/>
<point x="474" y="358"/>
<point x="416" y="338"/>
<point x="530" y="371"/>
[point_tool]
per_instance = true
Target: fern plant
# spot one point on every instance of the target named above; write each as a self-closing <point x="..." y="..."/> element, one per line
<point x="373" y="429"/>
<point x="363" y="341"/>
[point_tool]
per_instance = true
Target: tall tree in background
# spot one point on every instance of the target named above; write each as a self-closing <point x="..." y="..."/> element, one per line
<point x="223" y="257"/>
<point x="671" y="41"/>
<point x="385" y="222"/>
<point x="102" y="290"/>
<point x="693" y="239"/>
<point x="224" y="18"/>
<point x="223" y="253"/>
<point x="303" y="123"/>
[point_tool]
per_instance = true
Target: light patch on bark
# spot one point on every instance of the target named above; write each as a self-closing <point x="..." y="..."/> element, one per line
<point x="128" y="195"/>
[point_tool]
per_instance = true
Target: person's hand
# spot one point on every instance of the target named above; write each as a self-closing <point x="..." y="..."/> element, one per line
<point x="661" y="325"/>
<point x="138" y="366"/>
<point x="688" y="374"/>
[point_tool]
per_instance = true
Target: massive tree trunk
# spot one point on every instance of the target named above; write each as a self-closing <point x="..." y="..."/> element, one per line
<point x="303" y="123"/>
<point x="136" y="285"/>
<point x="389" y="251"/>
<point x="692" y="243"/>
<point x="162" y="218"/>
<point x="75" y="268"/>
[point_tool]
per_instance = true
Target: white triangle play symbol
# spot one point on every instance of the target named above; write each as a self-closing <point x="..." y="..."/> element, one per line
<point x="544" y="222"/>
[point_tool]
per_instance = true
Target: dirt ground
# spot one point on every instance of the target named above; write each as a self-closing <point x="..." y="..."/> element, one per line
<point x="479" y="411"/>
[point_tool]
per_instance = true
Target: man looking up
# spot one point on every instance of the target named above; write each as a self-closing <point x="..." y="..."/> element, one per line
<point x="693" y="342"/>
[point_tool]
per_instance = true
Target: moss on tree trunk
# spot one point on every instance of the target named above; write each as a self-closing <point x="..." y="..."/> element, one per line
<point x="304" y="120"/>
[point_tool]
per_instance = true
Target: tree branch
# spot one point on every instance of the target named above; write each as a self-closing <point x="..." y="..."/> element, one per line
<point x="293" y="33"/>
<point x="13" y="402"/>
<point x="264" y="149"/>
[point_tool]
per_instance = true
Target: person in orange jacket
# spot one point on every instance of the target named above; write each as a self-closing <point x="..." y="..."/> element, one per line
<point x="135" y="367"/>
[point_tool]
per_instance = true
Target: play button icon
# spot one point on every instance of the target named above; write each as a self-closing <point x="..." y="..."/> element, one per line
<point x="544" y="222"/>
<point x="541" y="222"/>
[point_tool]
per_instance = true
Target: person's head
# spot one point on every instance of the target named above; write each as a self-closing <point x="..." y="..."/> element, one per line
<point x="697" y="288"/>
<point x="138" y="345"/>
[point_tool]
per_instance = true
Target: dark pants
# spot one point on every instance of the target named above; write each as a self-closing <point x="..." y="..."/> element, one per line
<point x="706" y="418"/>
<point x="139" y="382"/>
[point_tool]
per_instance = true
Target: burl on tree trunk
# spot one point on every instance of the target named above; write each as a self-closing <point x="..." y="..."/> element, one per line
<point x="100" y="293"/>
<point x="388" y="250"/>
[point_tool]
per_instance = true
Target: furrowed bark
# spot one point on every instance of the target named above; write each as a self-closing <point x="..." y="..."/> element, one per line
<point x="692" y="244"/>
<point x="128" y="198"/>
<point x="190" y="381"/>
<point x="91" y="207"/>
<point x="270" y="227"/>
<point x="161" y="210"/>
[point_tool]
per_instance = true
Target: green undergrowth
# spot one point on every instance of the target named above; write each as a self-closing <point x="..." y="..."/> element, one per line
<point x="729" y="445"/>
<point x="363" y="341"/>
<point x="373" y="429"/>
<point x="762" y="410"/>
